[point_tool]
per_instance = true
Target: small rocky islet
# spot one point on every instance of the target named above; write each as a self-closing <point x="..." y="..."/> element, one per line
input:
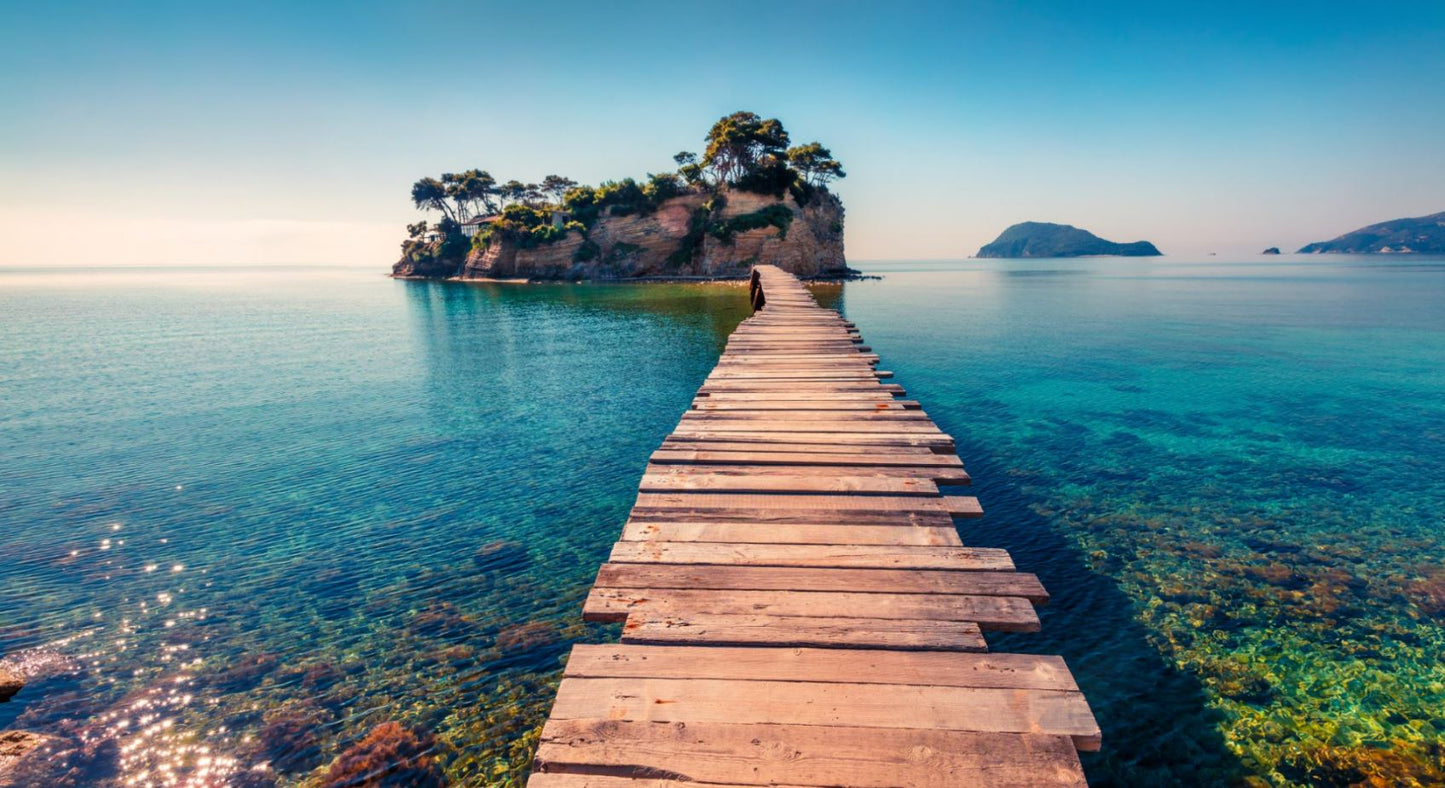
<point x="1045" y="239"/>
<point x="750" y="198"/>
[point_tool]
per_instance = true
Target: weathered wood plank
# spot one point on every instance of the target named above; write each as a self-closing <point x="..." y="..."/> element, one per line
<point x="854" y="556"/>
<point x="1001" y="613"/>
<point x="881" y="406"/>
<point x="979" y="709"/>
<point x="789" y="534"/>
<point x="876" y="394"/>
<point x="932" y="440"/>
<point x="773" y="517"/>
<point x="1007" y="671"/>
<point x="938" y="474"/>
<point x="776" y="425"/>
<point x="832" y="503"/>
<point x="802" y="632"/>
<point x="563" y="779"/>
<point x="762" y="483"/>
<point x="867" y="414"/>
<point x="750" y="456"/>
<point x="786" y="578"/>
<point x="684" y="443"/>
<point x="811" y="755"/>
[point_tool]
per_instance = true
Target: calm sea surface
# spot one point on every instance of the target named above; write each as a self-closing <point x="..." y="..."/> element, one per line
<point x="246" y="517"/>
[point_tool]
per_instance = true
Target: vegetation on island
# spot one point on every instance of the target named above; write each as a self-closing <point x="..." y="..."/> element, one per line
<point x="744" y="152"/>
<point x="1420" y="235"/>
<point x="1044" y="239"/>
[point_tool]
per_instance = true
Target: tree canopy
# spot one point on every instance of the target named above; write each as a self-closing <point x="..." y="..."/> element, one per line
<point x="815" y="163"/>
<point x="739" y="143"/>
<point x="473" y="192"/>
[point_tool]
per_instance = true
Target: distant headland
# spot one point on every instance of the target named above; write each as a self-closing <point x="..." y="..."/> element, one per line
<point x="750" y="198"/>
<point x="1043" y="239"/>
<point x="1423" y="234"/>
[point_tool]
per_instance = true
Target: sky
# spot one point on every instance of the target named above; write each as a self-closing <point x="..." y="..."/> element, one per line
<point x="290" y="133"/>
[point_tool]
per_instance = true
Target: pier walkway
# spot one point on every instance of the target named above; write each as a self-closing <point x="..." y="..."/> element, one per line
<point x="797" y="606"/>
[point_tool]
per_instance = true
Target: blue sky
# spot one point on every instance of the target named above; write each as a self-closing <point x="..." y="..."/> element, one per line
<point x="291" y="132"/>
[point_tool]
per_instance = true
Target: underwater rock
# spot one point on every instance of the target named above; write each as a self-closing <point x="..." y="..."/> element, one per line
<point x="15" y="745"/>
<point x="1276" y="575"/>
<point x="10" y="683"/>
<point x="289" y="741"/>
<point x="454" y="656"/>
<point x="246" y="673"/>
<point x="526" y="637"/>
<point x="1428" y="593"/>
<point x="502" y="556"/>
<point x="390" y="755"/>
<point x="440" y="620"/>
<point x="65" y="763"/>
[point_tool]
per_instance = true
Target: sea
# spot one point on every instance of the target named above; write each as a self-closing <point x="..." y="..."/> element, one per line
<point x="250" y="517"/>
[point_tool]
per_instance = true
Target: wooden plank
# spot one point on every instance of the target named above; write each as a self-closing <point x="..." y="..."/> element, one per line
<point x="813" y="755"/>
<point x="762" y="483"/>
<point x="584" y="780"/>
<point x="938" y="475"/>
<point x="741" y="467"/>
<point x="880" y="406"/>
<point x="869" y="413"/>
<point x="1001" y="613"/>
<point x="1009" y="671"/>
<point x="683" y="443"/>
<point x="786" y="578"/>
<point x="931" y="440"/>
<point x="791" y="386"/>
<point x="765" y="517"/>
<point x="856" y="556"/>
<point x="830" y="503"/>
<point x="750" y="456"/>
<point x="874" y="395"/>
<point x="962" y="506"/>
<point x="978" y="709"/>
<point x="789" y="534"/>
<point x="802" y="632"/>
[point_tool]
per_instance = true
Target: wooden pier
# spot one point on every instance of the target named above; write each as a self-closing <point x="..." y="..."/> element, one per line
<point x="797" y="606"/>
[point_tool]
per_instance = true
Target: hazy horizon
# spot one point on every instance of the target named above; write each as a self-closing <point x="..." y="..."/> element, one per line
<point x="202" y="135"/>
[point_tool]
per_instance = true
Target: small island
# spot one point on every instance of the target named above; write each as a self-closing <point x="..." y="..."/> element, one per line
<point x="1044" y="239"/>
<point x="1422" y="235"/>
<point x="750" y="198"/>
<point x="1271" y="250"/>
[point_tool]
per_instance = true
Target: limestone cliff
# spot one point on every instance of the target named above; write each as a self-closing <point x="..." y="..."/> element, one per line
<point x="693" y="235"/>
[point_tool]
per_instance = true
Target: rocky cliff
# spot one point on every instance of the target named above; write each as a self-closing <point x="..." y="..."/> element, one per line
<point x="694" y="235"/>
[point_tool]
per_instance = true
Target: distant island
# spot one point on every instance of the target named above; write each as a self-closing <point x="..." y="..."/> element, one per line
<point x="750" y="198"/>
<point x="1271" y="250"/>
<point x="1043" y="239"/>
<point x="1424" y="234"/>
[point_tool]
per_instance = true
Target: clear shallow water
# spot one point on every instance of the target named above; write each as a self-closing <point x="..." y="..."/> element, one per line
<point x="250" y="516"/>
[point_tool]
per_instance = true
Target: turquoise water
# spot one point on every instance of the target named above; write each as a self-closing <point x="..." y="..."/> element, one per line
<point x="249" y="516"/>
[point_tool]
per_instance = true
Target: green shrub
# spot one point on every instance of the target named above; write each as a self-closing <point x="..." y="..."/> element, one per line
<point x="586" y="252"/>
<point x="662" y="187"/>
<point x="772" y="176"/>
<point x="622" y="198"/>
<point x="776" y="215"/>
<point x="696" y="228"/>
